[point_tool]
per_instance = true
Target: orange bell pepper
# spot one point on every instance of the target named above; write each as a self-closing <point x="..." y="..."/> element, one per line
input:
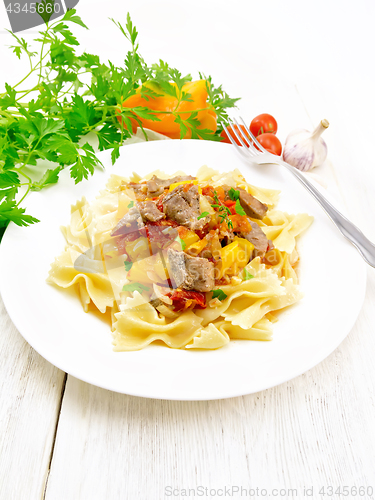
<point x="167" y="125"/>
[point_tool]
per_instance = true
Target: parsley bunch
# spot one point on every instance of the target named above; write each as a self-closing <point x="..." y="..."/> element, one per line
<point x="44" y="126"/>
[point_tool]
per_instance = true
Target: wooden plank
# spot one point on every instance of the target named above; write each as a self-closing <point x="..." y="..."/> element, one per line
<point x="30" y="397"/>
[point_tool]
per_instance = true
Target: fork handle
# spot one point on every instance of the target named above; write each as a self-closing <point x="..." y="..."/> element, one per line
<point x="347" y="228"/>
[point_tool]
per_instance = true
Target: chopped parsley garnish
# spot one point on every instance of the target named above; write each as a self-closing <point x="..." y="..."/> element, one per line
<point x="219" y="294"/>
<point x="239" y="209"/>
<point x="247" y="275"/>
<point x="233" y="194"/>
<point x="181" y="242"/>
<point x="224" y="211"/>
<point x="128" y="265"/>
<point x="131" y="204"/>
<point x="202" y="215"/>
<point x="134" y="287"/>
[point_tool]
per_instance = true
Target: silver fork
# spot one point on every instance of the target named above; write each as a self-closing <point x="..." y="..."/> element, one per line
<point x="260" y="156"/>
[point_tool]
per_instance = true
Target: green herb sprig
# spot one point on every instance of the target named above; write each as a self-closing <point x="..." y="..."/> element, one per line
<point x="44" y="125"/>
<point x="224" y="211"/>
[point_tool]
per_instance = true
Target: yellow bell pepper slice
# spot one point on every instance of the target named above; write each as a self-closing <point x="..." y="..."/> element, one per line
<point x="190" y="238"/>
<point x="175" y="184"/>
<point x="228" y="256"/>
<point x="195" y="248"/>
<point x="168" y="106"/>
<point x="234" y="257"/>
<point x="138" y="249"/>
<point x="247" y="247"/>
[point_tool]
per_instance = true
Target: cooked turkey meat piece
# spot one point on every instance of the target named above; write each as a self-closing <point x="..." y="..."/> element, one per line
<point x="136" y="217"/>
<point x="190" y="273"/>
<point x="252" y="206"/>
<point x="184" y="207"/>
<point x="257" y="238"/>
<point x="129" y="223"/>
<point x="149" y="211"/>
<point x="139" y="189"/>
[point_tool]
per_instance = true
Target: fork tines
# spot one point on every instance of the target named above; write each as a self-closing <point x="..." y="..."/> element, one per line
<point x="244" y="136"/>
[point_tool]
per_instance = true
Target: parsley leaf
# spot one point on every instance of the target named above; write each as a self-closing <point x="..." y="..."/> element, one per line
<point x="181" y="242"/>
<point x="234" y="194"/>
<point x="247" y="275"/>
<point x="8" y="99"/>
<point x="82" y="115"/>
<point x="218" y="293"/>
<point x="21" y="47"/>
<point x="70" y="16"/>
<point x="131" y="204"/>
<point x="10" y="212"/>
<point x="145" y="113"/>
<point x="108" y="136"/>
<point x="135" y="287"/>
<point x="115" y="153"/>
<point x="128" y="265"/>
<point x="85" y="164"/>
<point x="219" y="100"/>
<point x="66" y="33"/>
<point x="49" y="177"/>
<point x="9" y="194"/>
<point x="239" y="208"/>
<point x="8" y="179"/>
<point x="202" y="215"/>
<point x="192" y="123"/>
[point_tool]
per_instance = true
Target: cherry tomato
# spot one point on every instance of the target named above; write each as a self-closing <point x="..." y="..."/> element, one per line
<point x="271" y="143"/>
<point x="243" y="133"/>
<point x="263" y="124"/>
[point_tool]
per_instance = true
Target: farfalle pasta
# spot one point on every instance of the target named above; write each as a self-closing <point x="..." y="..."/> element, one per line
<point x="186" y="261"/>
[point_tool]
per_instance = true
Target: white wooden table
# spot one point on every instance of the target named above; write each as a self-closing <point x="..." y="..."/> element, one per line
<point x="63" y="439"/>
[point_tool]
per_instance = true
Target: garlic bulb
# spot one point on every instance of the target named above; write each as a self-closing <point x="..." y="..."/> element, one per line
<point x="306" y="150"/>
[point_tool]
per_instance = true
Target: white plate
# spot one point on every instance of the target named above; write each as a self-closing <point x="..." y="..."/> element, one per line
<point x="333" y="279"/>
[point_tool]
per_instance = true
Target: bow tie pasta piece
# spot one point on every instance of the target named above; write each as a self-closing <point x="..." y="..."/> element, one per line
<point x="209" y="337"/>
<point x="138" y="325"/>
<point x="94" y="286"/>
